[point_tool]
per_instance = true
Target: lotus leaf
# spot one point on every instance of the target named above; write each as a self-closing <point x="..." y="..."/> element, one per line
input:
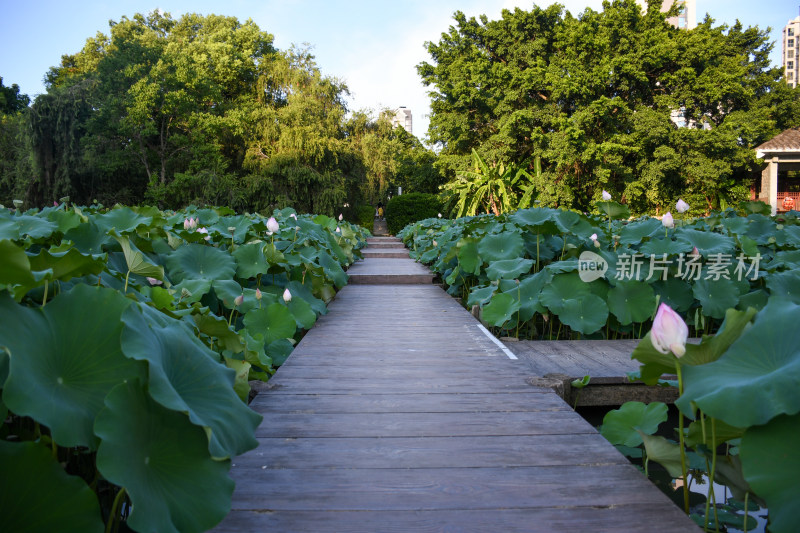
<point x="664" y="452"/>
<point x="89" y="238"/>
<point x="676" y="293"/>
<point x="15" y="268"/>
<point x="333" y="270"/>
<point x="35" y="227"/>
<point x="63" y="363"/>
<point x="722" y="432"/>
<point x="755" y="206"/>
<point x="250" y="260"/>
<point x="162" y="461"/>
<point x="278" y="351"/>
<point x="631" y="301"/>
<point x="9" y="229"/>
<point x="529" y="290"/>
<point x="755" y="380"/>
<point x="761" y="228"/>
<point x="500" y="309"/>
<point x="65" y="220"/>
<point x="200" y="262"/>
<point x="771" y="465"/>
<point x="570" y="222"/>
<point x="468" y="258"/>
<point x="613" y="210"/>
<point x="791" y="235"/>
<point x="303" y="314"/>
<point x="123" y="220"/>
<point x="636" y="232"/>
<point x="481" y="295"/>
<point x="716" y="296"/>
<point x="137" y="262"/>
<point x="184" y="376"/>
<point x="67" y="264"/>
<point x="659" y="247"/>
<point x="37" y="495"/>
<point x="305" y="292"/>
<point x="585" y="315"/>
<point x="274" y="321"/>
<point x="240" y="224"/>
<point x="539" y="218"/>
<point x="563" y="287"/>
<point x="500" y="246"/>
<point x="622" y="426"/>
<point x="508" y="268"/>
<point x="706" y="242"/>
<point x="785" y="285"/>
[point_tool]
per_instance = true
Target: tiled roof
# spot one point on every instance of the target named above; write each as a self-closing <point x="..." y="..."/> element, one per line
<point x="788" y="140"/>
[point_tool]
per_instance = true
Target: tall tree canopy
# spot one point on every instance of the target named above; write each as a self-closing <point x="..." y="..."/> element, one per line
<point x="595" y="97"/>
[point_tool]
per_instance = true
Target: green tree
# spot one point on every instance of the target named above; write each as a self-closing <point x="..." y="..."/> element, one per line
<point x="15" y="161"/>
<point x="595" y="96"/>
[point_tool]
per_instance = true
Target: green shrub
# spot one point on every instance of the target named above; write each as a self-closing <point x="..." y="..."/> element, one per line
<point x="365" y="217"/>
<point x="409" y="208"/>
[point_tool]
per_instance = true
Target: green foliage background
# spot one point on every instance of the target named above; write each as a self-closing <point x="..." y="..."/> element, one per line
<point x="409" y="208"/>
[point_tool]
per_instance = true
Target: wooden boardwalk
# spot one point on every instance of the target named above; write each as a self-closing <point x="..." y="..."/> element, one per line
<point x="396" y="413"/>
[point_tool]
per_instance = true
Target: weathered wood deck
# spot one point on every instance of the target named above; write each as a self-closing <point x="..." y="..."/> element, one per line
<point x="396" y="413"/>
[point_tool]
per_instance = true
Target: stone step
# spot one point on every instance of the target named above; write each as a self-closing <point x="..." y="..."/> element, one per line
<point x="379" y="227"/>
<point x="388" y="271"/>
<point x="399" y="253"/>
<point x="385" y="244"/>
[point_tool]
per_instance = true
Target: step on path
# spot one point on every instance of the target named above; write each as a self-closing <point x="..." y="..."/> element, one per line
<point x="397" y="413"/>
<point x="386" y="261"/>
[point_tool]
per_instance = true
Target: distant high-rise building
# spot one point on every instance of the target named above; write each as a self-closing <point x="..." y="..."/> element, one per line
<point x="687" y="17"/>
<point x="402" y="117"/>
<point x="791" y="51"/>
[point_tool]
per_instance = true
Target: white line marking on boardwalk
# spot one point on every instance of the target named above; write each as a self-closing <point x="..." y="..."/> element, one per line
<point x="497" y="342"/>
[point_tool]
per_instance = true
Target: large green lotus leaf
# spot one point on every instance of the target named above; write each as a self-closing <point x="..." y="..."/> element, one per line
<point x="536" y="217"/>
<point x="785" y="285"/>
<point x="305" y="292"/>
<point x="638" y="231"/>
<point x="161" y="459"/>
<point x="333" y="270"/>
<point x="791" y="235"/>
<point x="529" y="290"/>
<point x="136" y="261"/>
<point x="250" y="260"/>
<point x="278" y="351"/>
<point x="631" y="301"/>
<point x="36" y="495"/>
<point x="761" y="228"/>
<point x="217" y="328"/>
<point x="274" y="322"/>
<point x="240" y="224"/>
<point x="500" y="246"/>
<point x="192" y="290"/>
<point x="675" y="292"/>
<point x="500" y="309"/>
<point x="508" y="268"/>
<point x="664" y="452"/>
<point x="65" y="220"/>
<point x="756" y="379"/>
<point x="67" y="264"/>
<point x="653" y="363"/>
<point x="207" y="217"/>
<point x="706" y="242"/>
<point x="570" y="222"/>
<point x="755" y="206"/>
<point x="716" y="296"/>
<point x="621" y="426"/>
<point x="737" y="226"/>
<point x="303" y="314"/>
<point x="186" y="377"/>
<point x="722" y="433"/>
<point x="35" y="227"/>
<point x="241" y="386"/>
<point x="123" y="220"/>
<point x="468" y="258"/>
<point x="659" y="247"/>
<point x="15" y="268"/>
<point x="613" y="210"/>
<point x="563" y="287"/>
<point x="9" y="229"/>
<point x="198" y="261"/>
<point x="539" y="245"/>
<point x="64" y="358"/>
<point x="586" y="315"/>
<point x="89" y="238"/>
<point x="227" y="290"/>
<point x="481" y="295"/>
<point x="785" y="259"/>
<point x="771" y="465"/>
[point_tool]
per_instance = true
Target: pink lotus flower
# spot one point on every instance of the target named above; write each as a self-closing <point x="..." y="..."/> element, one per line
<point x="606" y="195"/>
<point x="272" y="226"/>
<point x="667" y="221"/>
<point x="593" y="237"/>
<point x="258" y="294"/>
<point x="669" y="332"/>
<point x="287" y="296"/>
<point x="681" y="206"/>
<point x="293" y="216"/>
<point x="154" y="281"/>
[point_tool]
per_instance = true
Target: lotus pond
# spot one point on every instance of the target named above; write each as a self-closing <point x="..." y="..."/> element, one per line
<point x="128" y="337"/>
<point x="733" y="279"/>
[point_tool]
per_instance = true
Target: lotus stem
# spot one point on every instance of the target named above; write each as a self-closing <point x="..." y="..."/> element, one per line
<point x="746" y="496"/>
<point x="681" y="438"/>
<point x="713" y="470"/>
<point x="126" y="282"/>
<point x="112" y="515"/>
<point x="46" y="286"/>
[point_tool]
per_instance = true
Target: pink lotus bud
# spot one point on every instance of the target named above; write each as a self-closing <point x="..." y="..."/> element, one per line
<point x="695" y="252"/>
<point x="154" y="281"/>
<point x="606" y="195"/>
<point x="272" y="226"/>
<point x="258" y="294"/>
<point x="287" y="296"/>
<point x="669" y="332"/>
<point x="293" y="216"/>
<point x="681" y="206"/>
<point x="340" y="217"/>
<point x="440" y="215"/>
<point x="667" y="220"/>
<point x="239" y="300"/>
<point x="55" y="204"/>
<point x="593" y="236"/>
<point x="338" y="230"/>
<point x="187" y="224"/>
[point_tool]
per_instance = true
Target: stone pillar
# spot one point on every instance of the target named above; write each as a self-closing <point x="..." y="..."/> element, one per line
<point x="773" y="185"/>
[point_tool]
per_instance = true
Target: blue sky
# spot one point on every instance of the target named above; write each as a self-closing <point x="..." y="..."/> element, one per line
<point x="372" y="45"/>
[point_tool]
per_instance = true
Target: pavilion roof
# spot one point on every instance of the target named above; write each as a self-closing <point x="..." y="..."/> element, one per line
<point x="786" y="141"/>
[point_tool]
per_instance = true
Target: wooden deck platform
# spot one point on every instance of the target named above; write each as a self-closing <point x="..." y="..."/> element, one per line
<point x="397" y="413"/>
